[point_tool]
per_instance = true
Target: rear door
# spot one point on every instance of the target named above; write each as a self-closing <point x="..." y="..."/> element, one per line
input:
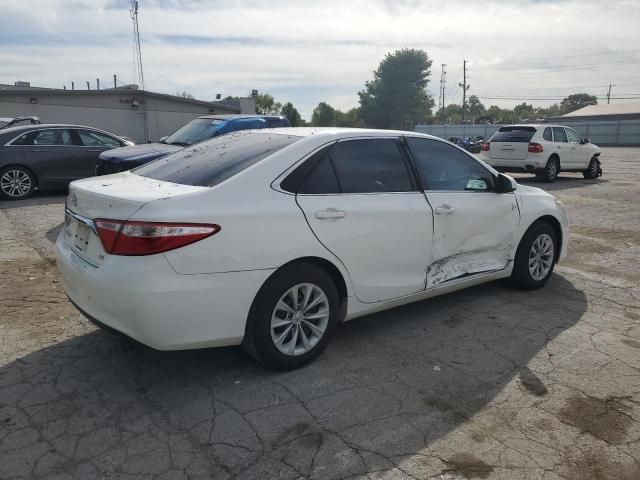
<point x="53" y="153"/>
<point x="511" y="143"/>
<point x="91" y="144"/>
<point x="561" y="147"/>
<point x="580" y="155"/>
<point x="363" y="205"/>
<point x="474" y="227"/>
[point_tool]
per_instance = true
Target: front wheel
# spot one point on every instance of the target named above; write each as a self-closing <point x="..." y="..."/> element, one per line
<point x="535" y="257"/>
<point x="16" y="183"/>
<point x="293" y="317"/>
<point x="593" y="170"/>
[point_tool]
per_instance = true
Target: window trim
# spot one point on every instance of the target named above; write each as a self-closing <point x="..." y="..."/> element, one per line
<point x="579" y="136"/>
<point x="415" y="187"/>
<point x="71" y="129"/>
<point x="77" y="131"/>
<point x="491" y="186"/>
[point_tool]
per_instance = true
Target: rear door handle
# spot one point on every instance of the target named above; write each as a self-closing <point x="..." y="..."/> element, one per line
<point x="37" y="150"/>
<point x="329" y="213"/>
<point x="445" y="210"/>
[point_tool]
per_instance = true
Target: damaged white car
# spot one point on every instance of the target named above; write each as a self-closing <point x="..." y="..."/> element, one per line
<point x="271" y="238"/>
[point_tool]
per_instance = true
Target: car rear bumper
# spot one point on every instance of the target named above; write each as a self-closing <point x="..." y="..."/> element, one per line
<point x="529" y="164"/>
<point x="145" y="299"/>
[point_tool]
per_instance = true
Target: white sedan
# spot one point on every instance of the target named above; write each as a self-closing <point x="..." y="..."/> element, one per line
<point x="271" y="238"/>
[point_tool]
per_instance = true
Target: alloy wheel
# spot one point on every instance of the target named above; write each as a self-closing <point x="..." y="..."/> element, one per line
<point x="15" y="183"/>
<point x="541" y="257"/>
<point x="300" y="319"/>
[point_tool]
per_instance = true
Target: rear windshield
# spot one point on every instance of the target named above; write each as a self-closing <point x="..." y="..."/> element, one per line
<point x="210" y="163"/>
<point x="513" y="134"/>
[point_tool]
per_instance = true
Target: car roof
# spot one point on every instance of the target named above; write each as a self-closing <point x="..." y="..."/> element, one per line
<point x="239" y="115"/>
<point x="534" y="125"/>
<point x="340" y="132"/>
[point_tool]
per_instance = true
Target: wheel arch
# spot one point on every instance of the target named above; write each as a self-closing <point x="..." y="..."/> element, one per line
<point x="554" y="223"/>
<point x="557" y="157"/>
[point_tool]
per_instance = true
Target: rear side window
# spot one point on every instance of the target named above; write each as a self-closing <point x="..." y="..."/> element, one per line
<point x="277" y="123"/>
<point x="57" y="136"/>
<point x="559" y="135"/>
<point x="321" y="180"/>
<point x="514" y="134"/>
<point x="370" y="165"/>
<point x="547" y="134"/>
<point x="212" y="162"/>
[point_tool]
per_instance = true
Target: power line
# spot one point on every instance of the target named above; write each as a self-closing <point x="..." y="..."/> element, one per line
<point x="561" y="56"/>
<point x="551" y="69"/>
<point x="628" y="97"/>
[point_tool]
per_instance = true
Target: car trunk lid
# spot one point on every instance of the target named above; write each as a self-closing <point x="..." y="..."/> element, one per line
<point x="511" y="143"/>
<point x="115" y="197"/>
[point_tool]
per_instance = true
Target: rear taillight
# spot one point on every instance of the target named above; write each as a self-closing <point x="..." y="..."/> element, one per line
<point x="121" y="237"/>
<point x="535" y="148"/>
<point x="486" y="146"/>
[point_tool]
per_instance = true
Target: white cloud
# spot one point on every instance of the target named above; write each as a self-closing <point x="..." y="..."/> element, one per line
<point x="307" y="52"/>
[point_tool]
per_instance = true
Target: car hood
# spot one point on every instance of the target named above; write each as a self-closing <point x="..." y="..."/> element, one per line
<point x="139" y="153"/>
<point x="531" y="191"/>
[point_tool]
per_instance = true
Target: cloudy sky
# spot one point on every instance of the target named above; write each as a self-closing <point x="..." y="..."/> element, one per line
<point x="324" y="50"/>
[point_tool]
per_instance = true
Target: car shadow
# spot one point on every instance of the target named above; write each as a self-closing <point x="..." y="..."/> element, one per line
<point x="387" y="387"/>
<point x="38" y="198"/>
<point x="563" y="182"/>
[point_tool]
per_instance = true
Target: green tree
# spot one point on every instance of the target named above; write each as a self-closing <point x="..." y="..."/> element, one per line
<point x="397" y="96"/>
<point x="266" y="104"/>
<point x="324" y="115"/>
<point x="184" y="94"/>
<point x="475" y="106"/>
<point x="577" y="101"/>
<point x="350" y="118"/>
<point x="289" y="111"/>
<point x="524" y="111"/>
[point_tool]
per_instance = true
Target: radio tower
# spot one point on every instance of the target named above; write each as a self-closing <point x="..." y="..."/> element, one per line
<point x="136" y="42"/>
<point x="443" y="81"/>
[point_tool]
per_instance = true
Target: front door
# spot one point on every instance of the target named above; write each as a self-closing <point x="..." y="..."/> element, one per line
<point x="579" y="153"/>
<point x="561" y="147"/>
<point x="474" y="227"/>
<point x="92" y="144"/>
<point x="364" y="207"/>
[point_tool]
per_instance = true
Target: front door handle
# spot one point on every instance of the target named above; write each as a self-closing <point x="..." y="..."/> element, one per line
<point x="329" y="213"/>
<point x="445" y="210"/>
<point x="93" y="150"/>
<point x="37" y="150"/>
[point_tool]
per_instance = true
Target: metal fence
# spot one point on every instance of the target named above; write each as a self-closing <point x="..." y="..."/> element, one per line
<point x="601" y="132"/>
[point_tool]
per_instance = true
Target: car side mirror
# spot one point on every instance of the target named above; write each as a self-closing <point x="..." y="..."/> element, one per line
<point x="586" y="140"/>
<point x="504" y="184"/>
<point x="162" y="139"/>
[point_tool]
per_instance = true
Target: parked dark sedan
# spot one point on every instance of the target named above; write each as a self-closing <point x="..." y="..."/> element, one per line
<point x="42" y="157"/>
<point x="197" y="130"/>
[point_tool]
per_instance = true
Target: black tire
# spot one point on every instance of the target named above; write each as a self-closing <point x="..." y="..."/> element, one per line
<point x="551" y="170"/>
<point x="593" y="170"/>
<point x="521" y="277"/>
<point x="16" y="183"/>
<point x="258" y="341"/>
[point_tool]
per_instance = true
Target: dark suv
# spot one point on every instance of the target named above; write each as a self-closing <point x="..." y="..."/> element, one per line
<point x="197" y="130"/>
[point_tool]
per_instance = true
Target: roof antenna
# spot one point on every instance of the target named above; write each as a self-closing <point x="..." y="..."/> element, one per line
<point x="136" y="40"/>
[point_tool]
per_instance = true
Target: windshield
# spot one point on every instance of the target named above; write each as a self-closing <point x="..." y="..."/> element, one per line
<point x="195" y="131"/>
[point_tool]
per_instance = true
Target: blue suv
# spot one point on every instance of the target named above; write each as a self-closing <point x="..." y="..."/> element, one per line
<point x="197" y="130"/>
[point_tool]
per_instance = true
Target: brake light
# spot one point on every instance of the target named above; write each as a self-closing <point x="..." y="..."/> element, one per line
<point x="486" y="146"/>
<point x="535" y="148"/>
<point x="121" y="237"/>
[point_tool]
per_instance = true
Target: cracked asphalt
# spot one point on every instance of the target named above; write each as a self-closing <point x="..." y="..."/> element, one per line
<point x="487" y="383"/>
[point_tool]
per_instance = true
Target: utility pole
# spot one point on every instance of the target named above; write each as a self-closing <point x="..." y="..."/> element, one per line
<point x="443" y="80"/>
<point x="136" y="40"/>
<point x="465" y="87"/>
<point x="115" y="81"/>
<point x="609" y="93"/>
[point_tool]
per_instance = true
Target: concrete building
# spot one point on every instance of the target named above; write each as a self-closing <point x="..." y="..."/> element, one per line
<point x="126" y="111"/>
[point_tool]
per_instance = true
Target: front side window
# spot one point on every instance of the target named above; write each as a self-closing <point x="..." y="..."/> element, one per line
<point x="213" y="162"/>
<point x="572" y="135"/>
<point x="444" y="167"/>
<point x="547" y="134"/>
<point x="370" y="165"/>
<point x="559" y="135"/>
<point x="96" y="139"/>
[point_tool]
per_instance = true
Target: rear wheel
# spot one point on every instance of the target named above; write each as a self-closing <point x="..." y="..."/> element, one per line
<point x="535" y="257"/>
<point x="550" y="172"/>
<point x="593" y="170"/>
<point x="293" y="317"/>
<point x="16" y="183"/>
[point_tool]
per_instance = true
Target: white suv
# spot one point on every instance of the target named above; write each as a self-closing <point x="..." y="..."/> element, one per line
<point x="542" y="149"/>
